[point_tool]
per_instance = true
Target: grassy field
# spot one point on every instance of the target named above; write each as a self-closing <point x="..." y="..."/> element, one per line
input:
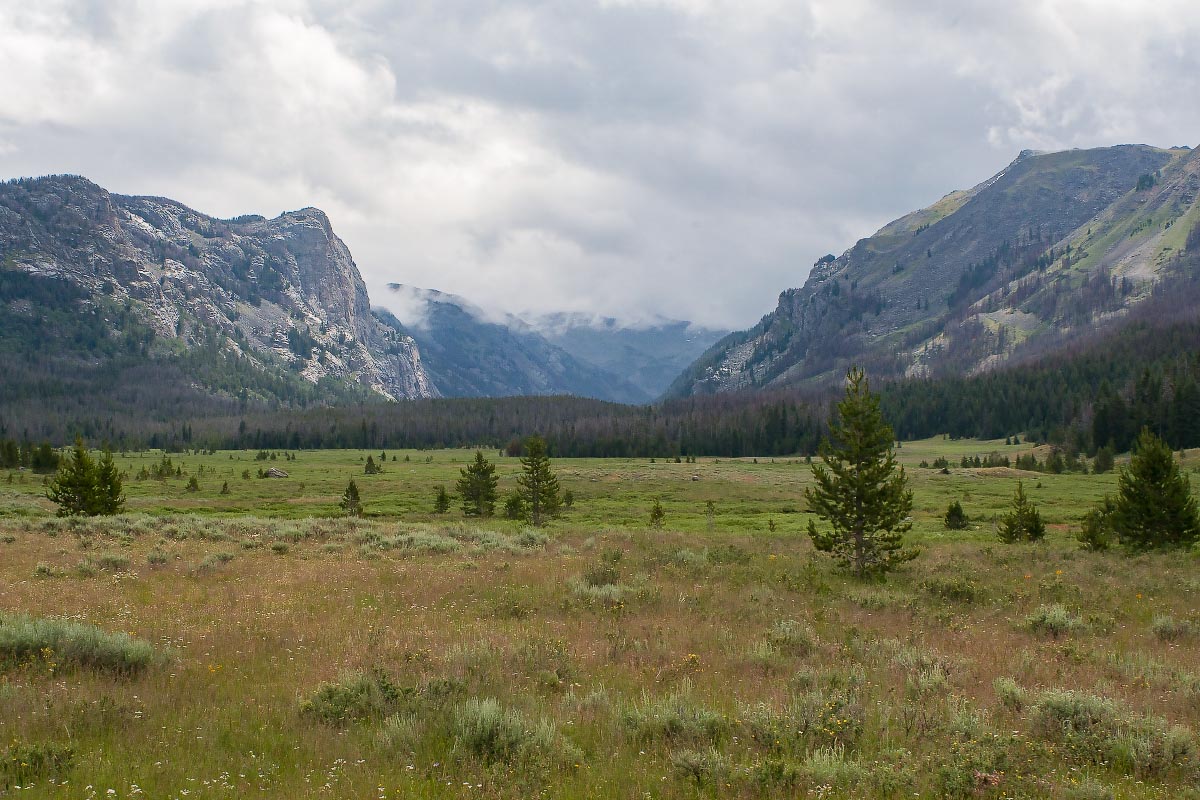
<point x="256" y="644"/>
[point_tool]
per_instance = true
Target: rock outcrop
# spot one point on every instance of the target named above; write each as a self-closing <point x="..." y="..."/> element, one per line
<point x="281" y="291"/>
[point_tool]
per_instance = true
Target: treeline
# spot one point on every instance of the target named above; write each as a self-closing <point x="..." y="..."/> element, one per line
<point x="739" y="425"/>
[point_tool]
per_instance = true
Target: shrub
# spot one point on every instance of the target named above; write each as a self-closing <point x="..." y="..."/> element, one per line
<point x="675" y="718"/>
<point x="1010" y="693"/>
<point x="926" y="682"/>
<point x="401" y="732"/>
<point x="72" y="644"/>
<point x="705" y="767"/>
<point x="1053" y="619"/>
<point x="491" y="733"/>
<point x="957" y="589"/>
<point x="1097" y="730"/>
<point x="1089" y="788"/>
<point x="113" y="562"/>
<point x="1169" y="629"/>
<point x="156" y="558"/>
<point x="792" y="638"/>
<point x="828" y="766"/>
<point x="811" y="720"/>
<point x="353" y="698"/>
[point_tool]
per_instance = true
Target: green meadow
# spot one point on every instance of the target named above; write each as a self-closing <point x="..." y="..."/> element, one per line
<point x="255" y="643"/>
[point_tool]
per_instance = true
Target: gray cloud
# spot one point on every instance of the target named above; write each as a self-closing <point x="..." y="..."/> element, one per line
<point x="688" y="158"/>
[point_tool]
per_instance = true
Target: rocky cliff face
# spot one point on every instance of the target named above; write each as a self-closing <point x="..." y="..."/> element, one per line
<point x="1053" y="242"/>
<point x="279" y="291"/>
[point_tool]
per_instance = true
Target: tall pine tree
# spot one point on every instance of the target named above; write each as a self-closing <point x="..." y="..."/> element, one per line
<point x="477" y="487"/>
<point x="537" y="484"/>
<point x="860" y="490"/>
<point x="1154" y="505"/>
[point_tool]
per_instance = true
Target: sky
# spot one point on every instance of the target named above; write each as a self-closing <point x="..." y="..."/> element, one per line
<point x="687" y="159"/>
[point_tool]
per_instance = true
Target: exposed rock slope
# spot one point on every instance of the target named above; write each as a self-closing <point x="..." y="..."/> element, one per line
<point x="278" y="292"/>
<point x="1053" y="242"/>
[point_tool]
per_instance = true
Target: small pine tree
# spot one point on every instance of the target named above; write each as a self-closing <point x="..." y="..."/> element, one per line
<point x="371" y="468"/>
<point x="193" y="485"/>
<point x="657" y="515"/>
<point x="1154" y="505"/>
<point x="537" y="484"/>
<point x="84" y="487"/>
<point x="351" y="503"/>
<point x="514" y="506"/>
<point x="568" y="499"/>
<point x="225" y="487"/>
<point x="110" y="495"/>
<point x="956" y="519"/>
<point x="1095" y="533"/>
<point x="441" y="503"/>
<point x="1103" y="461"/>
<point x="1024" y="522"/>
<point x="860" y="490"/>
<point x="477" y="487"/>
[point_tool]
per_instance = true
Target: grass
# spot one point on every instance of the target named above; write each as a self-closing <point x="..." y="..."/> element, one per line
<point x="421" y="653"/>
<point x="58" y="644"/>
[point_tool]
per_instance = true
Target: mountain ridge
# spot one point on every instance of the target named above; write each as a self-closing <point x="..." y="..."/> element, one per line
<point x="1051" y="242"/>
<point x="471" y="352"/>
<point x="277" y="293"/>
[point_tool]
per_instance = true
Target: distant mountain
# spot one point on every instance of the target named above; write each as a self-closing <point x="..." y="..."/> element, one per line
<point x="104" y="296"/>
<point x="648" y="354"/>
<point x="468" y="353"/>
<point x="1053" y="245"/>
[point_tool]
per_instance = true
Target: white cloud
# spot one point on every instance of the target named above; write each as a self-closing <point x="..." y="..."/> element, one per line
<point x="625" y="158"/>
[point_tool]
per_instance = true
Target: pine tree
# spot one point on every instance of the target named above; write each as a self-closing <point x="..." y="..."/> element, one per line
<point x="86" y="487"/>
<point x="477" y="487"/>
<point x="74" y="485"/>
<point x="514" y="506"/>
<point x="351" y="503"/>
<point x="537" y="484"/>
<point x="1024" y="522"/>
<point x="110" y="494"/>
<point x="1154" y="505"/>
<point x="441" y="503"/>
<point x="657" y="515"/>
<point x="956" y="519"/>
<point x="371" y="468"/>
<point x="860" y="490"/>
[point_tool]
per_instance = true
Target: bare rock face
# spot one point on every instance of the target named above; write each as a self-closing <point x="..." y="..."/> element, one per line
<point x="283" y="291"/>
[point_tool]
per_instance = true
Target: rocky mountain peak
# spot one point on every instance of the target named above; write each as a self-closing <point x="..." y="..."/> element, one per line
<point x="277" y="291"/>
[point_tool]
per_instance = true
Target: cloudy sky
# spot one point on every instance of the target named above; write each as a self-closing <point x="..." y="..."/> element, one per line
<point x="689" y="158"/>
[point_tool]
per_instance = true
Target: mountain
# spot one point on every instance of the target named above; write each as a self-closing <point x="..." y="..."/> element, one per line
<point x="648" y="354"/>
<point x="1055" y="244"/>
<point x="467" y="354"/>
<point x="103" y="294"/>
